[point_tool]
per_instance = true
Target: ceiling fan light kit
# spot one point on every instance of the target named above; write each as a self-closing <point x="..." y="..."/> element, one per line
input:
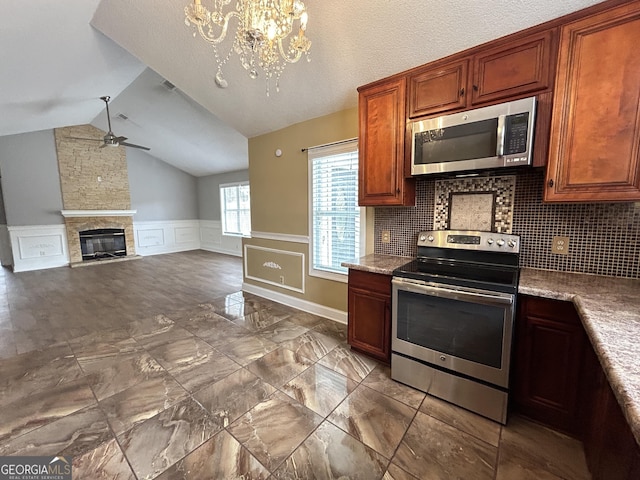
<point x="260" y="39"/>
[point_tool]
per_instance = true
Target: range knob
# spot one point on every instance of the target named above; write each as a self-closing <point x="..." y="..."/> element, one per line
<point x="430" y="238"/>
<point x="490" y="241"/>
<point x="500" y="242"/>
<point x="423" y="238"/>
<point x="511" y="243"/>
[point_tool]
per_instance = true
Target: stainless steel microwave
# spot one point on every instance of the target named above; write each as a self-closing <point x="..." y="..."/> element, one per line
<point x="485" y="138"/>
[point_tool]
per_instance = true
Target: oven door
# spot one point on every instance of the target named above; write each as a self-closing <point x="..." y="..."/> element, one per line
<point x="463" y="330"/>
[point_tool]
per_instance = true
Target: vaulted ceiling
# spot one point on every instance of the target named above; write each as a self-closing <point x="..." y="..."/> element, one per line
<point x="58" y="58"/>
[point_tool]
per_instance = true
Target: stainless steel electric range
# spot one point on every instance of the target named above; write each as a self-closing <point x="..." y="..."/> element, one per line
<point x="452" y="318"/>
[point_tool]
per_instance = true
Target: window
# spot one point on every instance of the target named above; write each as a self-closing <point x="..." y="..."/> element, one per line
<point x="335" y="218"/>
<point x="235" y="209"/>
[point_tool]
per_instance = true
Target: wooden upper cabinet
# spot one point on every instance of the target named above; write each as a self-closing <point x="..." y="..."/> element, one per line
<point x="595" y="133"/>
<point x="438" y="88"/>
<point x="382" y="122"/>
<point x="514" y="68"/>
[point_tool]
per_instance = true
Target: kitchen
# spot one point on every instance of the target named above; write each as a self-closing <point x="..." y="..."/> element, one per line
<point x="554" y="362"/>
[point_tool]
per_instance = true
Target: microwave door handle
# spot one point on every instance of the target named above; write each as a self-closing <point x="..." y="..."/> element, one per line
<point x="501" y="135"/>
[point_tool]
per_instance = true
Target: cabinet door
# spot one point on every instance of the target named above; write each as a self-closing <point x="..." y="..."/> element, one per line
<point x="549" y="349"/>
<point x="439" y="88"/>
<point x="514" y="69"/>
<point x="595" y="134"/>
<point x="369" y="329"/>
<point x="381" y="146"/>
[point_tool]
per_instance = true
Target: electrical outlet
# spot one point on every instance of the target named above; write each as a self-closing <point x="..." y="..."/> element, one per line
<point x="281" y="279"/>
<point x="386" y="236"/>
<point x="560" y="245"/>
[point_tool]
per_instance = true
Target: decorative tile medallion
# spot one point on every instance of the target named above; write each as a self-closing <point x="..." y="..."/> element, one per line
<point x="471" y="211"/>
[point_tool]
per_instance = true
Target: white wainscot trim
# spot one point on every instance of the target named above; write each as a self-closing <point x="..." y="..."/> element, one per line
<point x="304" y="305"/>
<point x="281" y="237"/>
<point x="166" y="236"/>
<point x="36" y="247"/>
<point x="212" y="239"/>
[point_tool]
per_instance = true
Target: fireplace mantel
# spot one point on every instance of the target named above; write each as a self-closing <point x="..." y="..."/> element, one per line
<point x="97" y="213"/>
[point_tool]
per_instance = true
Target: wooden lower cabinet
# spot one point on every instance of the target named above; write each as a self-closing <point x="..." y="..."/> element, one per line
<point x="369" y="329"/>
<point x="549" y="346"/>
<point x="557" y="380"/>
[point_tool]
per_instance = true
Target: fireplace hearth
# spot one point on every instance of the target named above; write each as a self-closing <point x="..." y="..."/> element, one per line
<point x="102" y="244"/>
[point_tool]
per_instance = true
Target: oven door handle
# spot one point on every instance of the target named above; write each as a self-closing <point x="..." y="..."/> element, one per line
<point x="455" y="294"/>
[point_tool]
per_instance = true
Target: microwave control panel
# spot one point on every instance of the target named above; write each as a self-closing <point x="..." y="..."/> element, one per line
<point x="516" y="127"/>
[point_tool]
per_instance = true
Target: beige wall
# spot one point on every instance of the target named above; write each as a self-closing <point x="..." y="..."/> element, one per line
<point x="279" y="200"/>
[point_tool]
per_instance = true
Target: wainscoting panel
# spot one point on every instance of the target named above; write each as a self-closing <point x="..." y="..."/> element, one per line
<point x="154" y="238"/>
<point x="212" y="239"/>
<point x="36" y="247"/>
<point x="275" y="267"/>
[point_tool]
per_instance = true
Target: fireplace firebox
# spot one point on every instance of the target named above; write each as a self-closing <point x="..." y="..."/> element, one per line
<point x="102" y="243"/>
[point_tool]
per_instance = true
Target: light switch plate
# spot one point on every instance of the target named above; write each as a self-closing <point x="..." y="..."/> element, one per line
<point x="560" y="245"/>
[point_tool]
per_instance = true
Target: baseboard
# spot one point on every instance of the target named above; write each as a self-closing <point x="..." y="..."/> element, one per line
<point x="304" y="305"/>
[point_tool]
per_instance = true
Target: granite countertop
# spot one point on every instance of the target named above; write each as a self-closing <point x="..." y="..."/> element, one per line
<point x="608" y="307"/>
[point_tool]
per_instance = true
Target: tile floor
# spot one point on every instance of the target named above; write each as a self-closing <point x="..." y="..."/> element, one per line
<point x="162" y="368"/>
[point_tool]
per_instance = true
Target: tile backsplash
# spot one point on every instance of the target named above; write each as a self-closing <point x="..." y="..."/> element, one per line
<point x="604" y="237"/>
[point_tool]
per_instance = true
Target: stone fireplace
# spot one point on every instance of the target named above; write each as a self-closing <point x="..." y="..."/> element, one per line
<point x="95" y="188"/>
<point x="79" y="221"/>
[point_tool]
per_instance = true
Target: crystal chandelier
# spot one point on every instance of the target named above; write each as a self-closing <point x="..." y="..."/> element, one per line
<point x="260" y="39"/>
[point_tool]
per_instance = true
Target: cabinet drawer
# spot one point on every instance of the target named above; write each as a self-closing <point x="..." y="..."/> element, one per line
<point x="372" y="282"/>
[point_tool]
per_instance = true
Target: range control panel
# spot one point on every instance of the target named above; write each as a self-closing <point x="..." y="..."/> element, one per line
<point x="470" y="240"/>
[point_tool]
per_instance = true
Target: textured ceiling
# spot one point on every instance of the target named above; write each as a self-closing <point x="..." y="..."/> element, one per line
<point x="62" y="66"/>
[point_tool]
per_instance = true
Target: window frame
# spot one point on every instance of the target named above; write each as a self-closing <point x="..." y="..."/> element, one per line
<point x="223" y="222"/>
<point x="346" y="146"/>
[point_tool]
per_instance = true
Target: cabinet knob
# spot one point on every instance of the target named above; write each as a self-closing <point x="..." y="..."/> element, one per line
<point x="398" y="191"/>
<point x="475" y="87"/>
<point x="461" y="92"/>
<point x="550" y="182"/>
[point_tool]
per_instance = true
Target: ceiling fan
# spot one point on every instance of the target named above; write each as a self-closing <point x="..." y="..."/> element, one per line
<point x="110" y="139"/>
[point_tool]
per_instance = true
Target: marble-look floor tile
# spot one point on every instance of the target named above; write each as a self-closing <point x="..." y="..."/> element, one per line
<point x="167" y="334"/>
<point x="273" y="429"/>
<point x="247" y="349"/>
<point x="136" y="404"/>
<point x="464" y="420"/>
<point x="347" y="362"/>
<point x="530" y="451"/>
<point x="256" y="320"/>
<point x="236" y="311"/>
<point x="103" y="463"/>
<point x="330" y="454"/>
<point x="108" y="378"/>
<point x="223" y="334"/>
<point x="221" y="457"/>
<point x="202" y="322"/>
<point x="334" y="329"/>
<point x="27" y="373"/>
<point x="234" y="395"/>
<point x="283" y="331"/>
<point x="101" y="353"/>
<point x="319" y="389"/>
<point x="279" y="366"/>
<point x="396" y="473"/>
<point x="203" y="371"/>
<point x="311" y="344"/>
<point x="159" y="442"/>
<point x="433" y="449"/>
<point x="380" y="380"/>
<point x="181" y="352"/>
<point x="43" y="407"/>
<point x="100" y="343"/>
<point x="147" y="325"/>
<point x="305" y="319"/>
<point x="376" y="420"/>
<point x="73" y="435"/>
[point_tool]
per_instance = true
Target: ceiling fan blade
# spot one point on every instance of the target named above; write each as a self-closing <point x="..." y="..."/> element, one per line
<point x="125" y="144"/>
<point x="119" y="139"/>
